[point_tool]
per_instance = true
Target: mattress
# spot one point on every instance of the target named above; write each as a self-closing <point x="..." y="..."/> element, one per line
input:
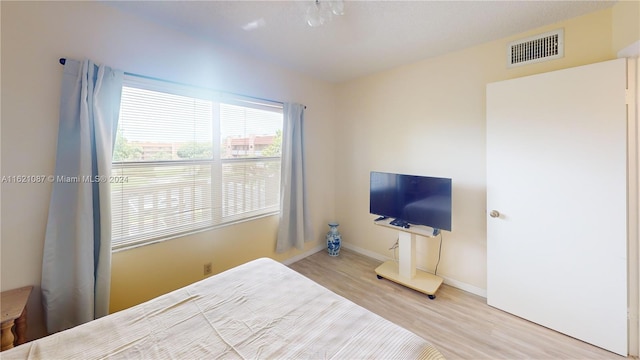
<point x="259" y="310"/>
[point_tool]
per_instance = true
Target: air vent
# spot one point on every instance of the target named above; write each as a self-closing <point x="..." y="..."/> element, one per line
<point x="543" y="47"/>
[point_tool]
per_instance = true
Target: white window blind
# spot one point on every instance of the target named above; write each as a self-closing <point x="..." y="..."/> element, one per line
<point x="191" y="160"/>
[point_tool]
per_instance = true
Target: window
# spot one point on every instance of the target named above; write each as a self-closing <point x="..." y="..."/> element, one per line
<point x="189" y="159"/>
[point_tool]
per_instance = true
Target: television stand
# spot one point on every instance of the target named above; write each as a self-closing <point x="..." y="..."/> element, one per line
<point x="404" y="272"/>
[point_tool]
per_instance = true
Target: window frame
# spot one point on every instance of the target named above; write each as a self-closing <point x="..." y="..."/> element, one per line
<point x="217" y="218"/>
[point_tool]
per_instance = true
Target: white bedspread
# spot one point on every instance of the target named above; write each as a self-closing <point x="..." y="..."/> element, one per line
<point x="259" y="310"/>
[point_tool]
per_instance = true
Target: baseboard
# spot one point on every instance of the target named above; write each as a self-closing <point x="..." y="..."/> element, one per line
<point x="449" y="281"/>
<point x="303" y="255"/>
<point x="365" y="252"/>
<point x="464" y="286"/>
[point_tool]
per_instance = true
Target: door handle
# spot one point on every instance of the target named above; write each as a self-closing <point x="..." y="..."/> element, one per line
<point x="494" y="213"/>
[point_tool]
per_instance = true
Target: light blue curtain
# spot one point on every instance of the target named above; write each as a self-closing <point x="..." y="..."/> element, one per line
<point x="294" y="227"/>
<point x="76" y="264"/>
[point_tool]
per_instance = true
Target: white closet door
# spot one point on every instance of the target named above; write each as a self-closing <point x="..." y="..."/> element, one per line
<point x="556" y="173"/>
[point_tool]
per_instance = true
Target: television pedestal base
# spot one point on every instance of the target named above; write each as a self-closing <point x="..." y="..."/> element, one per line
<point x="421" y="281"/>
<point x="405" y="272"/>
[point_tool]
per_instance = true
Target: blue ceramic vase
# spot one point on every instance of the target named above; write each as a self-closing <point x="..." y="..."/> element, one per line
<point x="334" y="240"/>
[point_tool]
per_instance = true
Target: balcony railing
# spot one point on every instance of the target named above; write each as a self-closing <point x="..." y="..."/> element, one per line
<point x="162" y="199"/>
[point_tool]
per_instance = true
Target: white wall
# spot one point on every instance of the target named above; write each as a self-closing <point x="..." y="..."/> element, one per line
<point x="428" y="118"/>
<point x="35" y="35"/>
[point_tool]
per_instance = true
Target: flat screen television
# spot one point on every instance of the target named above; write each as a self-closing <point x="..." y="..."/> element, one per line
<point x="418" y="200"/>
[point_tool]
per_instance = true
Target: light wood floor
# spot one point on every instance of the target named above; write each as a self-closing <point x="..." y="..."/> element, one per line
<point x="460" y="324"/>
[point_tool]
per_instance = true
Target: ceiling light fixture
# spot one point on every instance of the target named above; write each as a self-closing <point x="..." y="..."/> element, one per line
<point x="321" y="12"/>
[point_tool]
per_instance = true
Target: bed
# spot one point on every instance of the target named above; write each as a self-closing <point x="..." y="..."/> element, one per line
<point x="259" y="310"/>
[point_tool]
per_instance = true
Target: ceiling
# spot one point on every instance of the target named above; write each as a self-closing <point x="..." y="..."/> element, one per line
<point x="371" y="36"/>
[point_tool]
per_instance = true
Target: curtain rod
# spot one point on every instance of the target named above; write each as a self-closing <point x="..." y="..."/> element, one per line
<point x="64" y="60"/>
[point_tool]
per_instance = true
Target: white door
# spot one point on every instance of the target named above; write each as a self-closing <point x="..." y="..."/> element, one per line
<point x="556" y="173"/>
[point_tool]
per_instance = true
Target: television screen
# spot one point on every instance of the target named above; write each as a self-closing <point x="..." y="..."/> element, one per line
<point x="418" y="200"/>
